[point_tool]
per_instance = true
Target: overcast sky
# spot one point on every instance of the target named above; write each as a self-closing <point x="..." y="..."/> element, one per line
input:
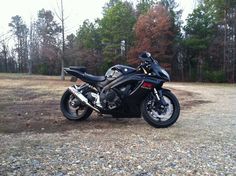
<point x="76" y="10"/>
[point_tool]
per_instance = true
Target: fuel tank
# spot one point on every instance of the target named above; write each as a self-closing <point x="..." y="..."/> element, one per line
<point x="118" y="70"/>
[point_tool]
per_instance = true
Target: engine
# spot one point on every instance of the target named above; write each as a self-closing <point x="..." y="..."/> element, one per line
<point x="110" y="99"/>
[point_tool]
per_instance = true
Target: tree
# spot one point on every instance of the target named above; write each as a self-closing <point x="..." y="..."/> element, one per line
<point x="110" y="4"/>
<point x="48" y="32"/>
<point x="7" y="58"/>
<point x="229" y="18"/>
<point x="153" y="33"/>
<point x="63" y="42"/>
<point x="176" y="37"/>
<point x="199" y="34"/>
<point x="175" y="17"/>
<point x="143" y="6"/>
<point x="116" y="27"/>
<point x="88" y="36"/>
<point x="4" y="57"/>
<point x="71" y="50"/>
<point x="34" y="48"/>
<point x="62" y="19"/>
<point x="90" y="47"/>
<point x="210" y="44"/>
<point x="19" y="29"/>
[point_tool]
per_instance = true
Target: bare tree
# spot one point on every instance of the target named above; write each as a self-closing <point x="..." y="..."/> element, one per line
<point x="20" y="31"/>
<point x="4" y="52"/>
<point x="30" y="47"/>
<point x="63" y="42"/>
<point x="62" y="20"/>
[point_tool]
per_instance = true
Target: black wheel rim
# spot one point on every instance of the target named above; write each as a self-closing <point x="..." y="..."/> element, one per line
<point x="76" y="111"/>
<point x="162" y="114"/>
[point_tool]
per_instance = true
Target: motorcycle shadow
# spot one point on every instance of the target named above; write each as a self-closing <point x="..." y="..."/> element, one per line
<point x="106" y="122"/>
<point x="58" y="124"/>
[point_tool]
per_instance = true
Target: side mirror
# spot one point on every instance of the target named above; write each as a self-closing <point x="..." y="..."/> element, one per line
<point x="145" y="56"/>
<point x="148" y="54"/>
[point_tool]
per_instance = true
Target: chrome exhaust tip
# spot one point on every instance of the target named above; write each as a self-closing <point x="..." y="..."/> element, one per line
<point x="82" y="98"/>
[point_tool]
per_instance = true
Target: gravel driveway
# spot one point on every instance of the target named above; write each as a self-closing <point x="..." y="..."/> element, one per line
<point x="202" y="142"/>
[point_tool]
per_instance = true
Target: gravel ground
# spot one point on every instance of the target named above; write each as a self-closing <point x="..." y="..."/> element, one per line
<point x="202" y="142"/>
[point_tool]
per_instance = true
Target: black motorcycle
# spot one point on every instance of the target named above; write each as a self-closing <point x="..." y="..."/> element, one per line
<point x="123" y="92"/>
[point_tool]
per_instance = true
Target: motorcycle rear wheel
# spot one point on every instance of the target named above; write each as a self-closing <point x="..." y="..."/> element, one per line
<point x="72" y="109"/>
<point x="157" y="119"/>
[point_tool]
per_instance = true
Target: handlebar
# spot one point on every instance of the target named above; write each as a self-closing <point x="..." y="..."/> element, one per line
<point x="144" y="66"/>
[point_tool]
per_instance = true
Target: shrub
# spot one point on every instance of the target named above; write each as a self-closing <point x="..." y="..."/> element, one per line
<point x="214" y="76"/>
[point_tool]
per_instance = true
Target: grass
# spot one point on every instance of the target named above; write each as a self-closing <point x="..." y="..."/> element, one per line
<point x="33" y="98"/>
<point x="27" y="76"/>
<point x="38" y="83"/>
<point x="22" y="88"/>
<point x="32" y="102"/>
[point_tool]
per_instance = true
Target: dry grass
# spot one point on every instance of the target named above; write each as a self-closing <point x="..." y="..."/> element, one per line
<point x="30" y="103"/>
<point x="37" y="140"/>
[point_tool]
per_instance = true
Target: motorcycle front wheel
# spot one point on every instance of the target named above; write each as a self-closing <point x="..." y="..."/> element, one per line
<point x="158" y="115"/>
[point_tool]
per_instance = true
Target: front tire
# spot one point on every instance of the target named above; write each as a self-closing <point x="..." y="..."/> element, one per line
<point x="169" y="115"/>
<point x="72" y="108"/>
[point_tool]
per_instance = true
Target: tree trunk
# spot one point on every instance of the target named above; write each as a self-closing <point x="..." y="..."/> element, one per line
<point x="234" y="43"/>
<point x="30" y="66"/>
<point x="62" y="70"/>
<point x="225" y="39"/>
<point x="200" y="69"/>
<point x="63" y="42"/>
<point x="189" y="69"/>
<point x="30" y="49"/>
<point x="5" y="57"/>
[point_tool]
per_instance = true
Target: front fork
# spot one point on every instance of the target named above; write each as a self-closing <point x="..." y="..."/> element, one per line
<point x="159" y="96"/>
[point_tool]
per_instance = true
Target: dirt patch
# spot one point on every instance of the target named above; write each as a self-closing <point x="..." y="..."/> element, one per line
<point x="192" y="103"/>
<point x="188" y="99"/>
<point x="46" y="117"/>
<point x="32" y="103"/>
<point x="30" y="112"/>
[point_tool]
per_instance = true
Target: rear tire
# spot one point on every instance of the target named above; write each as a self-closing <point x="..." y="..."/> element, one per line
<point x="157" y="121"/>
<point x="72" y="113"/>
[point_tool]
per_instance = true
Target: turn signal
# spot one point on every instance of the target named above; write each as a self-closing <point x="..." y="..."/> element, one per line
<point x="147" y="85"/>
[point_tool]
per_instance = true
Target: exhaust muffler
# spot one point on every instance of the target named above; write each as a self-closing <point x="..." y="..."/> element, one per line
<point x="81" y="97"/>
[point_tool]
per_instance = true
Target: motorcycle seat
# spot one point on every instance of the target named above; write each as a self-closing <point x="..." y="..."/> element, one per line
<point x="78" y="68"/>
<point x="94" y="78"/>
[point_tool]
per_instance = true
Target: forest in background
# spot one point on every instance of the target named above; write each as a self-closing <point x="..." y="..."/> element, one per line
<point x="202" y="49"/>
